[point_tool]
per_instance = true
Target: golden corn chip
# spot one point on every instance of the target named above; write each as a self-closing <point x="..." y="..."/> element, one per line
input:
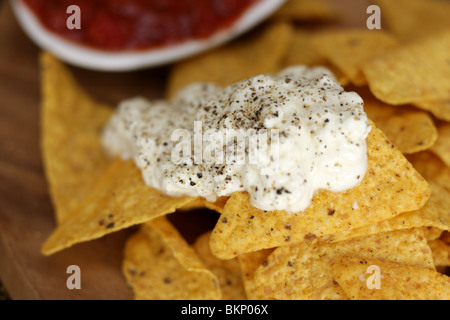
<point x="442" y="146"/>
<point x="227" y="271"/>
<point x="413" y="19"/>
<point x="391" y="186"/>
<point x="234" y="62"/>
<point x="216" y="206"/>
<point x="305" y="10"/>
<point x="70" y="123"/>
<point x="412" y="73"/>
<point x="396" y="281"/>
<point x="431" y="233"/>
<point x="160" y="265"/>
<point x="119" y="200"/>
<point x="348" y="50"/>
<point x="439" y="108"/>
<point x="441" y="253"/>
<point x="302" y="271"/>
<point x="410" y="130"/>
<point x="431" y="167"/>
<point x="193" y="205"/>
<point x="302" y="52"/>
<point x="435" y="213"/>
<point x="249" y="262"/>
<point x="445" y="237"/>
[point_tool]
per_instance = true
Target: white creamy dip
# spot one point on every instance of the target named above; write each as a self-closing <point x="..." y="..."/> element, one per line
<point x="316" y="139"/>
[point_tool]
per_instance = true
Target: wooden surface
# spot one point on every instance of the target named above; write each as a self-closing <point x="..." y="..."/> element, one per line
<point x="26" y="213"/>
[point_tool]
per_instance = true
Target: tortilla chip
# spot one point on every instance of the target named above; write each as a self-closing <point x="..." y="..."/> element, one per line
<point x="302" y="271"/>
<point x="439" y="108"/>
<point x="119" y="200"/>
<point x="445" y="236"/>
<point x="442" y="146"/>
<point x="160" y="265"/>
<point x="410" y="130"/>
<point x="391" y="186"/>
<point x="413" y="19"/>
<point x="431" y="167"/>
<point x="302" y="52"/>
<point x="435" y="213"/>
<point x="412" y="73"/>
<point x="398" y="282"/>
<point x="431" y="233"/>
<point x="306" y="10"/>
<point x="227" y="271"/>
<point x="261" y="52"/>
<point x="216" y="206"/>
<point x="441" y="253"/>
<point x="70" y="124"/>
<point x="348" y="50"/>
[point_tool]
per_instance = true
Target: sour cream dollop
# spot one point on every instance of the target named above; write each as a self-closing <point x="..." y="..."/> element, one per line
<point x="281" y="138"/>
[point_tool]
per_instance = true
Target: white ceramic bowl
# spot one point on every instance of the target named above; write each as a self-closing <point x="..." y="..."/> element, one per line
<point x="85" y="57"/>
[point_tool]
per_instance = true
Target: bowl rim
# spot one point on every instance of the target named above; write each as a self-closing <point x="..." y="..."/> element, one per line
<point x="95" y="59"/>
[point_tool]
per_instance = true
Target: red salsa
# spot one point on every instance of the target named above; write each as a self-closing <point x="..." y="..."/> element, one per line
<point x="138" y="24"/>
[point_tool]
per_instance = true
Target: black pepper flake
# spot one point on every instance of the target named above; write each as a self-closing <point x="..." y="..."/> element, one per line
<point x="310" y="236"/>
<point x="290" y="264"/>
<point x="110" y="225"/>
<point x="199" y="175"/>
<point x="167" y="280"/>
<point x="193" y="183"/>
<point x="224" y="220"/>
<point x="331" y="212"/>
<point x="288" y="227"/>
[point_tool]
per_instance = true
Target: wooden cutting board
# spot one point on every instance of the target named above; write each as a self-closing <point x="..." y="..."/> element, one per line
<point x="26" y="212"/>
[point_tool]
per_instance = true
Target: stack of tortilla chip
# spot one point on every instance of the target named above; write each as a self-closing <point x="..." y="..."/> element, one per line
<point x="387" y="238"/>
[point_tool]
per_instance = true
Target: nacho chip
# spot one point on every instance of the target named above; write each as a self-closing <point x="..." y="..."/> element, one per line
<point x="305" y="10"/>
<point x="227" y="271"/>
<point x="435" y="213"/>
<point x="249" y="262"/>
<point x="302" y="271"/>
<point x="410" y="130"/>
<point x="397" y="282"/>
<point x="391" y="186"/>
<point x="431" y="233"/>
<point x="441" y="253"/>
<point x="302" y="52"/>
<point x="216" y="206"/>
<point x="439" y="108"/>
<point x="413" y="19"/>
<point x="70" y="122"/>
<point x="412" y="73"/>
<point x="442" y="146"/>
<point x="160" y="265"/>
<point x="120" y="199"/>
<point x="348" y="50"/>
<point x="261" y="52"/>
<point x="431" y="167"/>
